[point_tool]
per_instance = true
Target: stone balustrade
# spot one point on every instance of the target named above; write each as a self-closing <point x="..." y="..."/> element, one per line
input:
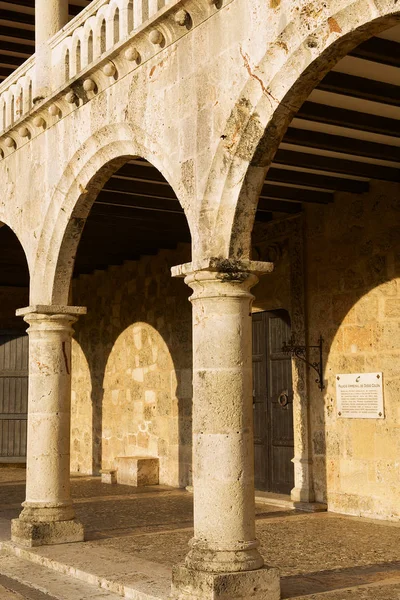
<point x="16" y="94"/>
<point x="95" y="31"/>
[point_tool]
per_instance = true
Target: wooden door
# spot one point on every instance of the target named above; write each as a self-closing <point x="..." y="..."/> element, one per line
<point x="13" y="396"/>
<point x="272" y="403"/>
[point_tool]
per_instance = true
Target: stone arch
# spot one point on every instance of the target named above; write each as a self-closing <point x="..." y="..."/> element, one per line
<point x="293" y="65"/>
<point x="84" y="176"/>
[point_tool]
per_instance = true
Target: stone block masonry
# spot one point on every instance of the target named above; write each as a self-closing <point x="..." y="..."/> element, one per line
<point x="132" y="369"/>
<point x="138" y="471"/>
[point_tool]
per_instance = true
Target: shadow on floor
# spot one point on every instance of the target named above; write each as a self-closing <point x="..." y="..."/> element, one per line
<point x="339" y="579"/>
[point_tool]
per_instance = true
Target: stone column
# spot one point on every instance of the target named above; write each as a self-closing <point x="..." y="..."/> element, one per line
<point x="223" y="561"/>
<point x="50" y="17"/>
<point x="48" y="516"/>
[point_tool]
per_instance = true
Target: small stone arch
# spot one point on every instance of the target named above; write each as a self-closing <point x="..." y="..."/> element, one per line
<point x="84" y="176"/>
<point x="275" y="90"/>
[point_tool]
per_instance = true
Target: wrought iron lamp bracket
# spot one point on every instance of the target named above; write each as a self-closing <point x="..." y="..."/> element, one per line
<point x="300" y="352"/>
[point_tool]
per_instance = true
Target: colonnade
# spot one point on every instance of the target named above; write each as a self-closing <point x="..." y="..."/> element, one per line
<point x="223" y="561"/>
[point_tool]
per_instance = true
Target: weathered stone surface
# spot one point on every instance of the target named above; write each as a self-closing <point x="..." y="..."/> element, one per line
<point x="206" y="98"/>
<point x="262" y="584"/>
<point x="31" y="534"/>
<point x="138" y="471"/>
<point x="132" y="384"/>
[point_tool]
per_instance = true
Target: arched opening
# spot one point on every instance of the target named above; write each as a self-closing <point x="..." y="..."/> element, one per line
<point x="116" y="34"/>
<point x="328" y="216"/>
<point x="90" y="48"/>
<point x="14" y="294"/>
<point x="66" y="66"/>
<point x="78" y="58"/>
<point x="132" y="359"/>
<point x="103" y="43"/>
<point x="12" y="110"/>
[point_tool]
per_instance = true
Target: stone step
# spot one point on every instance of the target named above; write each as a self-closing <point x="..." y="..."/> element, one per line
<point x="55" y="585"/>
<point x="104" y="570"/>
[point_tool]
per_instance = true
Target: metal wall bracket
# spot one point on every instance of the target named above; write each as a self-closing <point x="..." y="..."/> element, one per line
<point x="301" y="353"/>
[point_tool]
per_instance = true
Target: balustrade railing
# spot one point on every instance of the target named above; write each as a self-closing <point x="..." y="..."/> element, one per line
<point x="96" y="30"/>
<point x="16" y="94"/>
<point x="93" y="32"/>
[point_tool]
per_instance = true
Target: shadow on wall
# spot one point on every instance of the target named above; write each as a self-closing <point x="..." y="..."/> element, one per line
<point x="132" y="369"/>
<point x="353" y="298"/>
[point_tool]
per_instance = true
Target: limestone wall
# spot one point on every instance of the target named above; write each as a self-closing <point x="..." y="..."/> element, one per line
<point x="353" y="269"/>
<point x="132" y="354"/>
<point x="132" y="360"/>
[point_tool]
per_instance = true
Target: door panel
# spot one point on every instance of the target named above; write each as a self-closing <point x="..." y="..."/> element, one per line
<point x="259" y="395"/>
<point x="273" y="414"/>
<point x="13" y="396"/>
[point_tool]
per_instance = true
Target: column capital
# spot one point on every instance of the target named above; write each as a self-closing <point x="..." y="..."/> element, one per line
<point x="222" y="278"/>
<point x="227" y="266"/>
<point x="46" y="309"/>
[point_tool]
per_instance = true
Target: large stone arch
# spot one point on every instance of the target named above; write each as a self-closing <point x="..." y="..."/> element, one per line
<point x="293" y="65"/>
<point x="84" y="176"/>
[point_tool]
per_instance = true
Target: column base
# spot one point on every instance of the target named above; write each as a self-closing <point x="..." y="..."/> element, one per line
<point x="190" y="584"/>
<point x="302" y="495"/>
<point x="31" y="534"/>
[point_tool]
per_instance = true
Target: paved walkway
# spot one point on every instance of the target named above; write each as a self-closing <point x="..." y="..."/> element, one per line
<point x="135" y="536"/>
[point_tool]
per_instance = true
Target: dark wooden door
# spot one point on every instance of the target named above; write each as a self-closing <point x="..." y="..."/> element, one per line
<point x="272" y="403"/>
<point x="13" y="396"/>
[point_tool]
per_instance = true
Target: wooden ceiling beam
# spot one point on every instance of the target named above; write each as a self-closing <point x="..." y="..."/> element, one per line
<point x="360" y="87"/>
<point x="278" y="206"/>
<point x="73" y="10"/>
<point x="146" y="173"/>
<point x="5" y="71"/>
<point x="156" y="221"/>
<point x="15" y="61"/>
<point x="336" y="165"/>
<point x="281" y="192"/>
<point x="5" y="45"/>
<point x="140" y="188"/>
<point x="318" y="181"/>
<point x="16" y="17"/>
<point x="379" y="50"/>
<point x="342" y="117"/>
<point x="168" y="205"/>
<point x="338" y="143"/>
<point x="19" y="33"/>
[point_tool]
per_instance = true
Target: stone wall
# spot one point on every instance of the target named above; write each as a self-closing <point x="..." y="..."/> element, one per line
<point x="132" y="354"/>
<point x="353" y="294"/>
<point x="132" y="361"/>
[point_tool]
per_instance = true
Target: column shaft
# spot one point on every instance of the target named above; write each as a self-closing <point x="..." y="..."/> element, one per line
<point x="48" y="514"/>
<point x="223" y="561"/>
<point x="223" y="452"/>
<point x="50" y="17"/>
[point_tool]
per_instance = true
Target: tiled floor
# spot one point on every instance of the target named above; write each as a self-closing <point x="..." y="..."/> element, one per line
<point x="137" y="535"/>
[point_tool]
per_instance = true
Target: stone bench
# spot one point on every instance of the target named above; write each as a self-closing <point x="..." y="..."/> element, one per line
<point x="108" y="476"/>
<point x="138" y="471"/>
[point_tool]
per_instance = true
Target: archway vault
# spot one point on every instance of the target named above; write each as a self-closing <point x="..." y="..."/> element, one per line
<point x="297" y="62"/>
<point x="102" y="156"/>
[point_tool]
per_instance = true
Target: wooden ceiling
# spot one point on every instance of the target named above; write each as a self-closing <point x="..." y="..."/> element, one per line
<point x="346" y="134"/>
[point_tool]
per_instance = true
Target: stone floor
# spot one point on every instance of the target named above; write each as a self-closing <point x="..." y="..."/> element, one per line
<point x="134" y="536"/>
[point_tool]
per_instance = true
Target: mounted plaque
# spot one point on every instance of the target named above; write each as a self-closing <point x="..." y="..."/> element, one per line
<point x="360" y="396"/>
